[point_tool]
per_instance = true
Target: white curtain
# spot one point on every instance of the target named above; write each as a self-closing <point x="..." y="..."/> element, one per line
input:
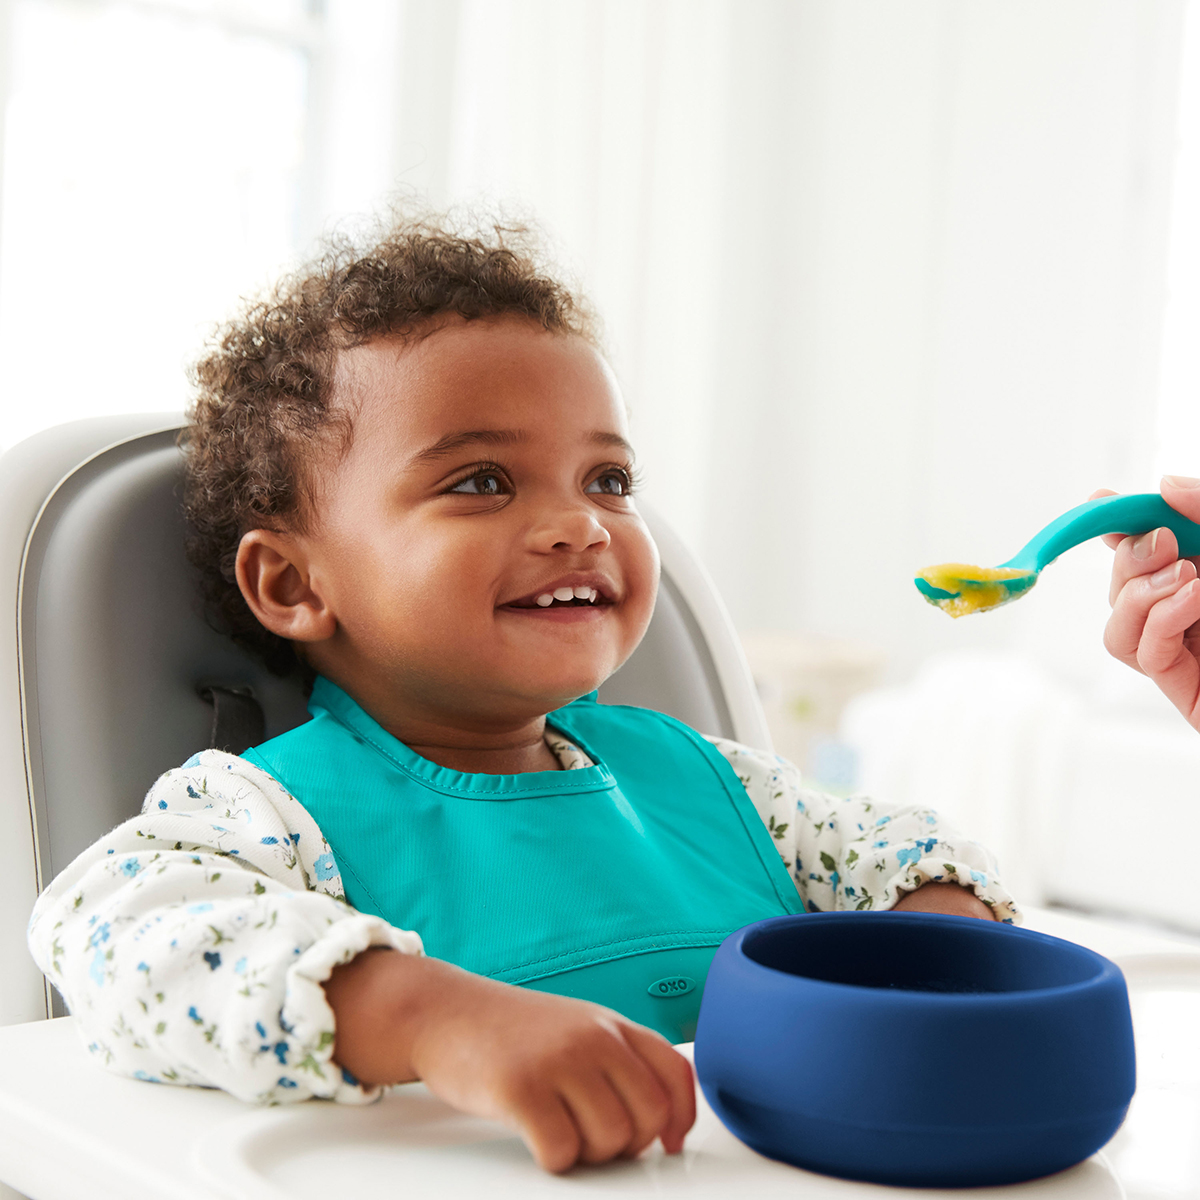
<point x="154" y="156"/>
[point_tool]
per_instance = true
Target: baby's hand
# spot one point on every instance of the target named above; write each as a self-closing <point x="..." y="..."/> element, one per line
<point x="951" y="898"/>
<point x="580" y="1083"/>
<point x="1155" y="598"/>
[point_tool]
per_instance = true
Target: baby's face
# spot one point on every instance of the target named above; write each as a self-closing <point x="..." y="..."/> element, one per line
<point x="489" y="469"/>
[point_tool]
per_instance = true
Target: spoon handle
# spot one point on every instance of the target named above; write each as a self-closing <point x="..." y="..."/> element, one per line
<point x="1110" y="514"/>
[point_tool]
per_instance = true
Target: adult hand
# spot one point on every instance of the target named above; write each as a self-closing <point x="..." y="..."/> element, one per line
<point x="1155" y="599"/>
<point x="579" y="1082"/>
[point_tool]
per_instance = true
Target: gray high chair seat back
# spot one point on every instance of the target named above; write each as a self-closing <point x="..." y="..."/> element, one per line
<point x="112" y="655"/>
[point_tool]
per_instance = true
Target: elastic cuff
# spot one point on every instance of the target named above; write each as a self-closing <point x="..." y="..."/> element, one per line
<point x="938" y="870"/>
<point x="306" y="1014"/>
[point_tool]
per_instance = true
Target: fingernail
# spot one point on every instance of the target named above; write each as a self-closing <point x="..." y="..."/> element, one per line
<point x="1166" y="575"/>
<point x="1143" y="547"/>
<point x="1181" y="481"/>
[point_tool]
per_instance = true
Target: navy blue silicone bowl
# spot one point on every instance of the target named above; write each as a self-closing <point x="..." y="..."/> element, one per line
<point x="914" y="1048"/>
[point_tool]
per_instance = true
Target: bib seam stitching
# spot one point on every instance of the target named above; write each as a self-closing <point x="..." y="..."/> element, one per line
<point x="696" y="742"/>
<point x="339" y="861"/>
<point x="358" y="880"/>
<point x="500" y="792"/>
<point x="720" y="934"/>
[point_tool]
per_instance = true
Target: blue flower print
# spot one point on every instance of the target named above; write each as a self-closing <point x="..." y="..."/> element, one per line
<point x="194" y="761"/>
<point x="325" y="867"/>
<point x="258" y="1025"/>
<point x="285" y="1082"/>
<point x="200" y="908"/>
<point x="130" y="867"/>
<point x="96" y="970"/>
<point x="281" y="1049"/>
<point x="979" y="877"/>
<point x="908" y="854"/>
<point x="191" y="791"/>
<point x="213" y="958"/>
<point x="927" y="844"/>
<point x="145" y="1078"/>
<point x="194" y="1016"/>
<point x="162" y="804"/>
<point x="269" y="841"/>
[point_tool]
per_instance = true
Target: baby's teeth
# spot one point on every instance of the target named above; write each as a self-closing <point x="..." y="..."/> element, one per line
<point x="545" y="600"/>
<point x="563" y="593"/>
<point x="583" y="593"/>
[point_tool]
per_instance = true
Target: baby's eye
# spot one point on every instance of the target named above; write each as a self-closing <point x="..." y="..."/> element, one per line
<point x="611" y="483"/>
<point x="484" y="483"/>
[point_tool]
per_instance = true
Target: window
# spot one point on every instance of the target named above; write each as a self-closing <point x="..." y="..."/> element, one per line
<point x="154" y="169"/>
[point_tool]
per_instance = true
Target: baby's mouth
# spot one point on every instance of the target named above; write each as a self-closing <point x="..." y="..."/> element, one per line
<point x="581" y="596"/>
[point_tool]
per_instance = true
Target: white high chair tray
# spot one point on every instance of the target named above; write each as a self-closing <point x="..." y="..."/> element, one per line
<point x="71" y="1131"/>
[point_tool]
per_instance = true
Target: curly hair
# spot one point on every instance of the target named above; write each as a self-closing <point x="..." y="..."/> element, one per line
<point x="263" y="407"/>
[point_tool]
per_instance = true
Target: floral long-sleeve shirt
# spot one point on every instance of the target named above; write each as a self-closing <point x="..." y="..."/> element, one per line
<point x="191" y="943"/>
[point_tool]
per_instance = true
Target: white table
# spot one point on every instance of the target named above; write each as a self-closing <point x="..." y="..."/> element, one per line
<point x="71" y="1131"/>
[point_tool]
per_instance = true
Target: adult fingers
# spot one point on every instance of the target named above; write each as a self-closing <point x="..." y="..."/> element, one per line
<point x="1182" y="493"/>
<point x="1140" y="557"/>
<point x="1126" y="628"/>
<point x="674" y="1072"/>
<point x="1163" y="654"/>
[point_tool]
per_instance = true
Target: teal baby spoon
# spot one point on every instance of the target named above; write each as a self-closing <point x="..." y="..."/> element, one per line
<point x="958" y="588"/>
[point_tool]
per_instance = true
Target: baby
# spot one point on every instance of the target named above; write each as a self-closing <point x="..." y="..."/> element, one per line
<point x="410" y="478"/>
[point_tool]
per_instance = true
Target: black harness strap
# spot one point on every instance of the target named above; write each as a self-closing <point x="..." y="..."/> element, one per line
<point x="238" y="720"/>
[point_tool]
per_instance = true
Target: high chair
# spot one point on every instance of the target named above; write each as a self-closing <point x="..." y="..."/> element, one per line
<point x="110" y="675"/>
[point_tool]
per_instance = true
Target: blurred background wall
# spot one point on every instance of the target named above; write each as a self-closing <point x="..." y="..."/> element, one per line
<point x="886" y="282"/>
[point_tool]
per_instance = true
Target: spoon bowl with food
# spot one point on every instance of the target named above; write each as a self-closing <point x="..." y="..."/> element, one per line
<point x="959" y="589"/>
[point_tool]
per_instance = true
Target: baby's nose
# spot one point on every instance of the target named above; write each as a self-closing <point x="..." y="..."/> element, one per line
<point x="573" y="528"/>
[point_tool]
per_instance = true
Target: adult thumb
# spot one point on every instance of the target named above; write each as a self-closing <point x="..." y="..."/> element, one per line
<point x="1182" y="493"/>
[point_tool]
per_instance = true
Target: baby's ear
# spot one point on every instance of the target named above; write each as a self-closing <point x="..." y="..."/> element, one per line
<point x="273" y="576"/>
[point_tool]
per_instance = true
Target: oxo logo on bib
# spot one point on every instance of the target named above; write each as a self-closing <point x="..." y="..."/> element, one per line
<point x="672" y="985"/>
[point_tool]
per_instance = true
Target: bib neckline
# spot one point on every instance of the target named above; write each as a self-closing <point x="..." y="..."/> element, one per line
<point x="329" y="699"/>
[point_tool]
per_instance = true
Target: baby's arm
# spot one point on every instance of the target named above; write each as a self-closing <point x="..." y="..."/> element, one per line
<point x="1155" y="598"/>
<point x="189" y="949"/>
<point x="860" y="854"/>
<point x="206" y="942"/>
<point x="580" y="1083"/>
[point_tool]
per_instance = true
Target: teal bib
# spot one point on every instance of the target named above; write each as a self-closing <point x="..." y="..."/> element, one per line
<point x="614" y="883"/>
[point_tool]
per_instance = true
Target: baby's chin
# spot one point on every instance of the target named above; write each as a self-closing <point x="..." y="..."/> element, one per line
<point x="548" y="679"/>
<point x="547" y="695"/>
